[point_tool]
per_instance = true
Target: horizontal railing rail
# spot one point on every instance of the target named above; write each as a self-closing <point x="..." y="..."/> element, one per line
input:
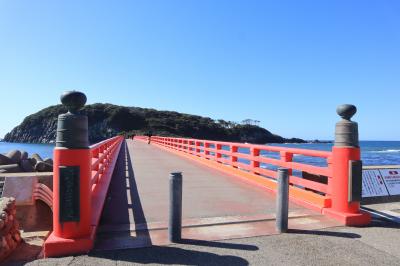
<point x="332" y="185"/>
<point x="229" y="153"/>
<point x="101" y="156"/>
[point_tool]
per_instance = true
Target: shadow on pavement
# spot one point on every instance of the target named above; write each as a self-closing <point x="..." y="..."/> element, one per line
<point x="169" y="255"/>
<point x="123" y="206"/>
<point x="323" y="233"/>
<point x="214" y="244"/>
<point x="138" y="213"/>
<point x="382" y="219"/>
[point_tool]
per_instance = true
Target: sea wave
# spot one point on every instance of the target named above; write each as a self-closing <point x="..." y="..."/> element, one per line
<point x="387" y="151"/>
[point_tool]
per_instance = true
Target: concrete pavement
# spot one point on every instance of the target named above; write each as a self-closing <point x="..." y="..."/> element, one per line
<point x="374" y="245"/>
<point x="215" y="205"/>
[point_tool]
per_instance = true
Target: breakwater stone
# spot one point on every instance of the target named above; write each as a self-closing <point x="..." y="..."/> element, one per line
<point x="14" y="155"/>
<point x="17" y="161"/>
<point x="48" y="161"/>
<point x="11" y="168"/>
<point x="37" y="157"/>
<point x="33" y="161"/>
<point x="43" y="167"/>
<point x="24" y="155"/>
<point x="27" y="166"/>
<point x="5" y="160"/>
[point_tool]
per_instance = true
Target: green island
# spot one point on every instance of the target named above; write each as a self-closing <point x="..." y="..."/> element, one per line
<point x="107" y="120"/>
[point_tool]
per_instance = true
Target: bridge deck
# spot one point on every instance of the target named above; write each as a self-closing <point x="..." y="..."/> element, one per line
<point x="138" y="200"/>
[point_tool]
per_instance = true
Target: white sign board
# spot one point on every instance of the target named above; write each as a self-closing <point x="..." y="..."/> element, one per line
<point x="392" y="180"/>
<point x="373" y="184"/>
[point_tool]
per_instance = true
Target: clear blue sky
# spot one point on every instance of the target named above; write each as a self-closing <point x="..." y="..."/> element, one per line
<point x="285" y="63"/>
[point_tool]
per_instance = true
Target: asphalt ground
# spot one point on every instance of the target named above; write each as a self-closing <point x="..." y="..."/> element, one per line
<point x="377" y="244"/>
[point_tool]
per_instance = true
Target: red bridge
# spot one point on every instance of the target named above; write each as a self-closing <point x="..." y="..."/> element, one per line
<point x="114" y="194"/>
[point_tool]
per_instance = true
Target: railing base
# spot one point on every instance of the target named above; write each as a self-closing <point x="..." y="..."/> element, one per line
<point x="57" y="246"/>
<point x="349" y="219"/>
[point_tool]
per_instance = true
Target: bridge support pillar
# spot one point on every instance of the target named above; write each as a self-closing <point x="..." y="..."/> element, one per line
<point x="346" y="179"/>
<point x="72" y="229"/>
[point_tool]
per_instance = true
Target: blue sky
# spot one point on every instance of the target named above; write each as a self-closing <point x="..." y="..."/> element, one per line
<point x="285" y="63"/>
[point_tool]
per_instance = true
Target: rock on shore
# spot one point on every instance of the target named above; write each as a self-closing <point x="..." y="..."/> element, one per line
<point x="17" y="161"/>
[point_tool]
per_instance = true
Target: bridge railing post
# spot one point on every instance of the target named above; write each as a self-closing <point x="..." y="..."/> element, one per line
<point x="197" y="143"/>
<point x="72" y="171"/>
<point x="206" y="151"/>
<point x="287" y="157"/>
<point x="218" y="154"/>
<point x="254" y="152"/>
<point x="186" y="143"/>
<point x="234" y="159"/>
<point x="346" y="165"/>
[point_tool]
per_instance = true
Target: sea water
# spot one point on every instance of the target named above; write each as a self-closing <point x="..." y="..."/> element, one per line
<point x="372" y="152"/>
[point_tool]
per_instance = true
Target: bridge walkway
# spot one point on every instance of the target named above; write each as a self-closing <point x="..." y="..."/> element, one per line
<point x="215" y="205"/>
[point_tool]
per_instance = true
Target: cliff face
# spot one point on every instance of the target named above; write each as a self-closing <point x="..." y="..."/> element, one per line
<point x="106" y="120"/>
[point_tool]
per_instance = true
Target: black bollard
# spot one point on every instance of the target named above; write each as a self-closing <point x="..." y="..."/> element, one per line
<point x="282" y="203"/>
<point x="175" y="207"/>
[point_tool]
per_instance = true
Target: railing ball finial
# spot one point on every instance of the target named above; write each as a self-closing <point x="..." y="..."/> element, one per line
<point x="73" y="100"/>
<point x="346" y="111"/>
<point x="72" y="127"/>
<point x="346" y="131"/>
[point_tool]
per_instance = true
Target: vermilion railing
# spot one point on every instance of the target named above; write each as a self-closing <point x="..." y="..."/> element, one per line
<point x="102" y="153"/>
<point x="104" y="156"/>
<point x="228" y="153"/>
<point x="96" y="166"/>
<point x="327" y="190"/>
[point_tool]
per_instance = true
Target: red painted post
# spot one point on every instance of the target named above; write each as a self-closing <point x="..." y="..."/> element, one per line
<point x="287" y="157"/>
<point x="218" y="155"/>
<point x="254" y="152"/>
<point x="72" y="169"/>
<point x="187" y="149"/>
<point x="341" y="156"/>
<point x="192" y="149"/>
<point x="346" y="149"/>
<point x="234" y="158"/>
<point x="75" y="158"/>
<point x="197" y="143"/>
<point x="206" y="152"/>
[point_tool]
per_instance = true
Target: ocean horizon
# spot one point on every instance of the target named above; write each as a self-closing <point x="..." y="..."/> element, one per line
<point x="372" y="152"/>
